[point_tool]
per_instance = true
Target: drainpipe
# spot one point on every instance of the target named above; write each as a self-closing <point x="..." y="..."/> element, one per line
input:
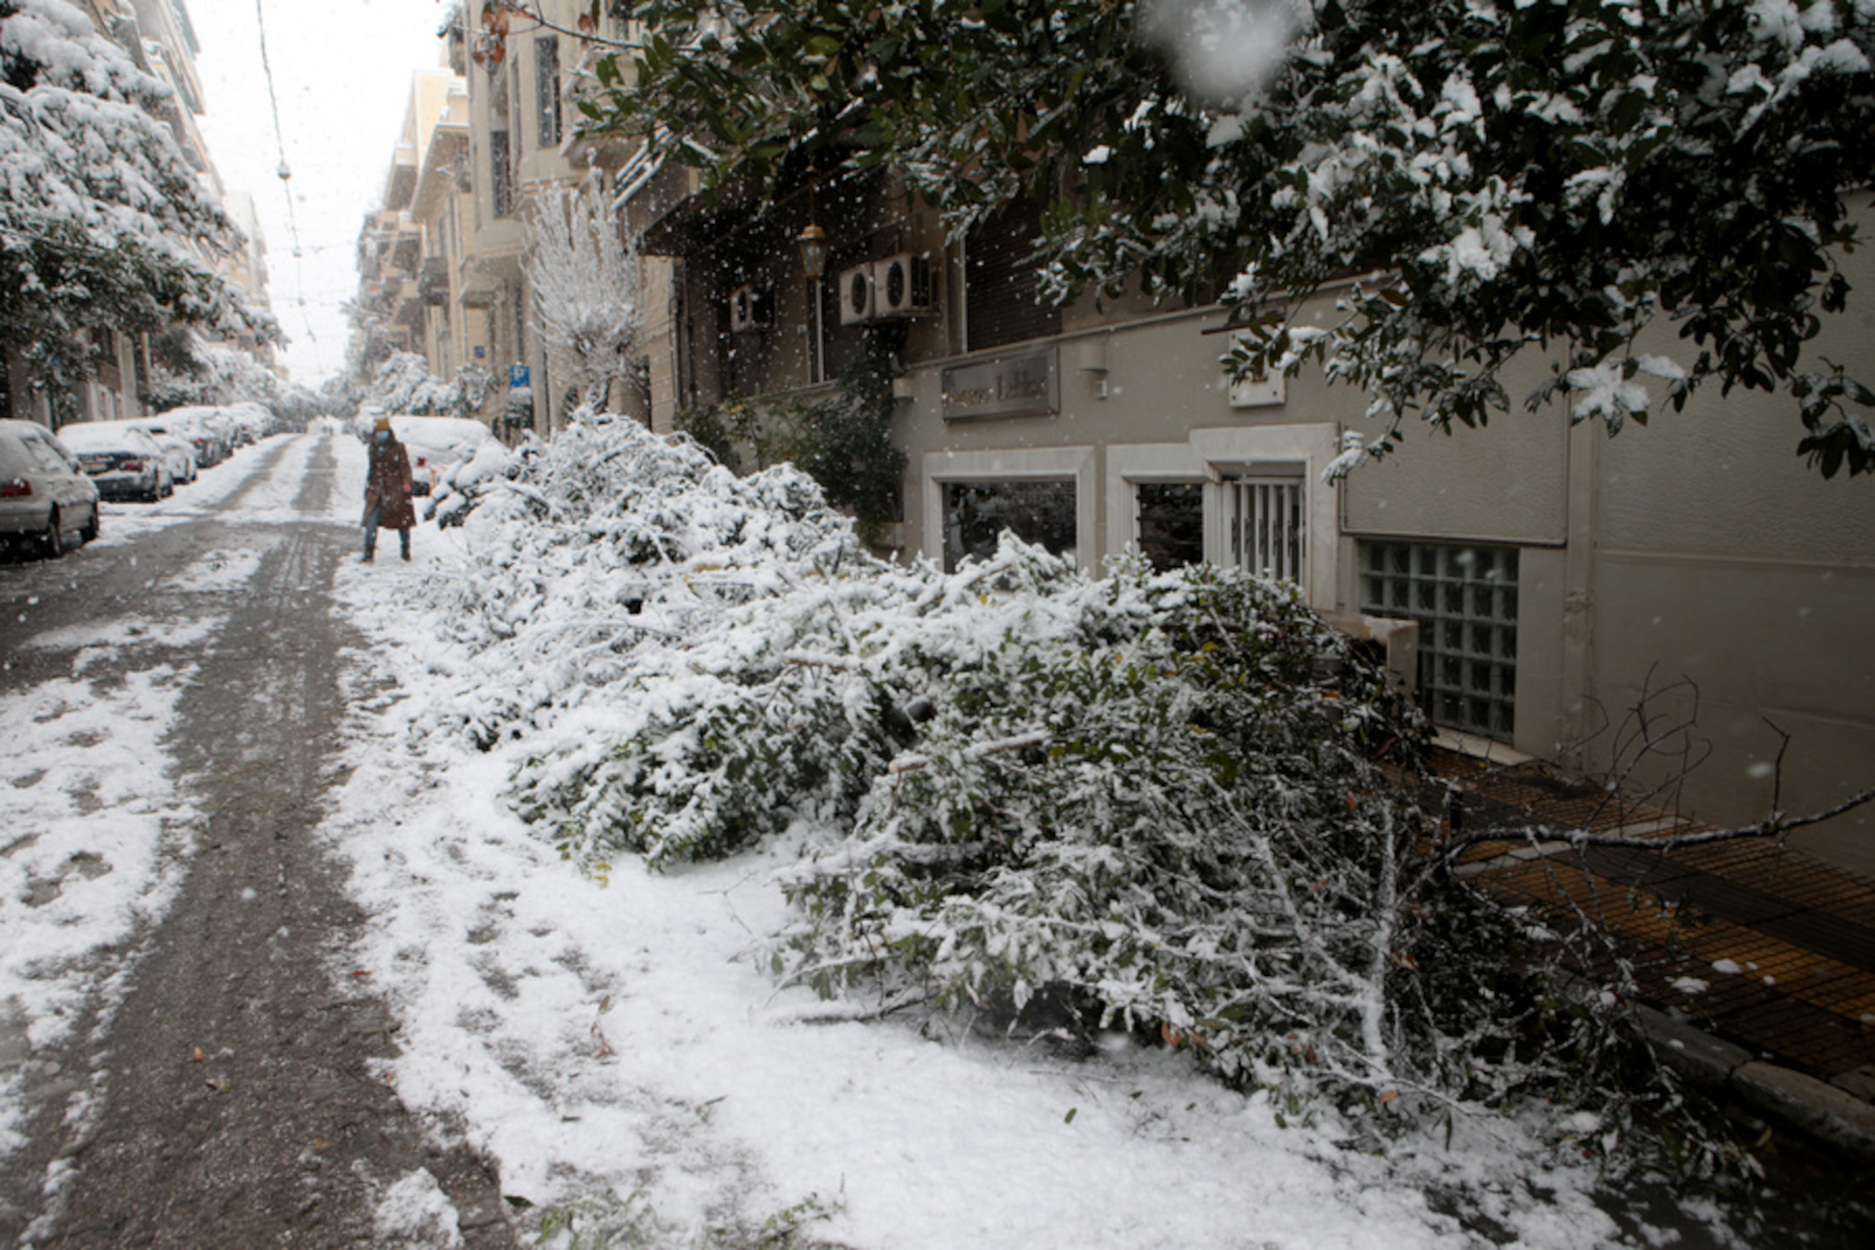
<point x="1578" y="633"/>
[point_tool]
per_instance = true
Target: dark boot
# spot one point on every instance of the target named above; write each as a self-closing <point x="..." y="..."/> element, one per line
<point x="404" y="537"/>
<point x="370" y="551"/>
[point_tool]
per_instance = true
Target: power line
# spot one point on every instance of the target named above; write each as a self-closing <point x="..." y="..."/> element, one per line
<point x="286" y="173"/>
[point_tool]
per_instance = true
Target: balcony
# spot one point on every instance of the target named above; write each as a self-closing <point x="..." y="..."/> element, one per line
<point x="433" y="280"/>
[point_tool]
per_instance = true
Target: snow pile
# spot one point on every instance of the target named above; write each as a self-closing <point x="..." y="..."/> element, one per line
<point x="602" y="540"/>
<point x="1149" y="803"/>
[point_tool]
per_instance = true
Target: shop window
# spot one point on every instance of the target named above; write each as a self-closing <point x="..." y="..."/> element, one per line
<point x="1039" y="511"/>
<point x="1170" y="523"/>
<point x="1465" y="600"/>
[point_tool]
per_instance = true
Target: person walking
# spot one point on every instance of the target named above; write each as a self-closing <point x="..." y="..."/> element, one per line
<point x="387" y="490"/>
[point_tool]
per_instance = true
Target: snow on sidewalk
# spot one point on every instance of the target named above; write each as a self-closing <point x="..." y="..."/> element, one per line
<point x="616" y="1047"/>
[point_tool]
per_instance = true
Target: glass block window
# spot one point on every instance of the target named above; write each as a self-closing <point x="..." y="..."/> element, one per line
<point x="1171" y="523"/>
<point x="1035" y="510"/>
<point x="1465" y="600"/>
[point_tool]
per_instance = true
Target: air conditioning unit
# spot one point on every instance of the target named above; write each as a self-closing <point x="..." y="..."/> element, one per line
<point x="901" y="285"/>
<point x="749" y="309"/>
<point x="857" y="298"/>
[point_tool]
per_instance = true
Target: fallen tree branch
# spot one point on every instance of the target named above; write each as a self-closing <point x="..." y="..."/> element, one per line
<point x="982" y="750"/>
<point x="1776" y="825"/>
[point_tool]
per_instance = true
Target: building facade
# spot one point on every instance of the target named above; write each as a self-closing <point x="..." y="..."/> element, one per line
<point x="444" y="259"/>
<point x="1666" y="605"/>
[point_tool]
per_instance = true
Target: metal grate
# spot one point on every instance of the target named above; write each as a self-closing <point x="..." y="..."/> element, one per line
<point x="1263" y="522"/>
<point x="1465" y="600"/>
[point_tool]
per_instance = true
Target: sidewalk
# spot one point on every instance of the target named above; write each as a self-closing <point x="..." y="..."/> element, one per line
<point x="1758" y="960"/>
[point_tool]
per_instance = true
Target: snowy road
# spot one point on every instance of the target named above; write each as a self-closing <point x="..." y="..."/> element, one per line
<point x="184" y="1070"/>
<point x="209" y="717"/>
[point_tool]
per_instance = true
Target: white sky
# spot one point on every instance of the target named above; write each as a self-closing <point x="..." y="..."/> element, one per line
<point x="341" y="71"/>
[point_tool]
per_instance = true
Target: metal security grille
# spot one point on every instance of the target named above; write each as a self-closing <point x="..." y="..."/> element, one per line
<point x="1465" y="600"/>
<point x="1263" y="522"/>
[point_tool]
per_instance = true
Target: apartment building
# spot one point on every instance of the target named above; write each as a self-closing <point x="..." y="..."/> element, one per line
<point x="444" y="258"/>
<point x="1562" y="582"/>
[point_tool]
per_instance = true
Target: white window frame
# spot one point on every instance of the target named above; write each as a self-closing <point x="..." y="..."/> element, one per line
<point x="941" y="467"/>
<point x="1209" y="456"/>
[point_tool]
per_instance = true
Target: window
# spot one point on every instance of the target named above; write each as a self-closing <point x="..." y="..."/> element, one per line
<point x="1170" y="523"/>
<point x="501" y="165"/>
<point x="1035" y="510"/>
<point x="547" y="89"/>
<point x="1001" y="303"/>
<point x="1465" y="600"/>
<point x="1264" y="525"/>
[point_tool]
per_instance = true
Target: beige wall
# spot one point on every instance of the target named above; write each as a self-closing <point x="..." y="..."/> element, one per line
<point x="1696" y="547"/>
<point x="1695" y="550"/>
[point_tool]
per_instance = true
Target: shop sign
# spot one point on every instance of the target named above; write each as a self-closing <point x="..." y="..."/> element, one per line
<point x="1012" y="386"/>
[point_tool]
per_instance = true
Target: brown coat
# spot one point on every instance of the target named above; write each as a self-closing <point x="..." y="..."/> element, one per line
<point x="387" y="486"/>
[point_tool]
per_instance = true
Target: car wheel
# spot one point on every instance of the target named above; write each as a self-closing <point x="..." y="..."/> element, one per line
<point x="54" y="540"/>
<point x="90" y="532"/>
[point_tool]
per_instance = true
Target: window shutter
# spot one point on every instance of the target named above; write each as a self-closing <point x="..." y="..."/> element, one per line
<point x="999" y="281"/>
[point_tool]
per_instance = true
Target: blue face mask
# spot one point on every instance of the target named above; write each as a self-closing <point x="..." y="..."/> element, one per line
<point x="384" y="436"/>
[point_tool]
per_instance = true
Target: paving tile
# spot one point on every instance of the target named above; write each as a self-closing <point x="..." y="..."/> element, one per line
<point x="1800" y="931"/>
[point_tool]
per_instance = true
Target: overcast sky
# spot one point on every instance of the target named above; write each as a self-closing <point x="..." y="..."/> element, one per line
<point x="341" y="70"/>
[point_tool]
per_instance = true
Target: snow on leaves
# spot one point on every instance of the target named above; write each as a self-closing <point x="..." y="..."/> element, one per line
<point x="1174" y="804"/>
<point x="1549" y="176"/>
<point x="102" y="219"/>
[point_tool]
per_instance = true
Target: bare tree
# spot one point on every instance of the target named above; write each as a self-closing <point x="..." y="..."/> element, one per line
<point x="584" y="277"/>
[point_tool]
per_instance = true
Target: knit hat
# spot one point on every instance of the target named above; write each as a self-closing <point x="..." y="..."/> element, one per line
<point x="384" y="423"/>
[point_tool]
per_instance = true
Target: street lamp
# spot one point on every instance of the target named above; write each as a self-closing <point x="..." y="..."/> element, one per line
<point x="814" y="246"/>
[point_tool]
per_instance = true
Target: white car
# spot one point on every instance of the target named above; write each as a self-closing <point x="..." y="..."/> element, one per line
<point x="46" y="500"/>
<point x="178" y="450"/>
<point x="124" y="462"/>
<point x="203" y="427"/>
<point x="436" y="443"/>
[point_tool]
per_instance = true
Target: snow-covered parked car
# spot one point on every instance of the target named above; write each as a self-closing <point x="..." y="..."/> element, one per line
<point x="461" y="486"/>
<point x="203" y="427"/>
<point x="46" y="500"/>
<point x="249" y="422"/>
<point x="123" y="461"/>
<point x="436" y="444"/>
<point x="178" y="451"/>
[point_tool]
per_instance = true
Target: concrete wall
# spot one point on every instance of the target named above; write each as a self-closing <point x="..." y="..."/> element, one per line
<point x="1722" y="557"/>
<point x="1694" y="551"/>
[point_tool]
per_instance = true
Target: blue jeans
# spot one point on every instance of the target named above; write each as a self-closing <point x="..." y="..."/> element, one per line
<point x="371" y="533"/>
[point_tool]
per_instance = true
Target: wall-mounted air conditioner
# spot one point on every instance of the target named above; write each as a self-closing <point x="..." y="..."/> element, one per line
<point x="901" y="285"/>
<point x="749" y="309"/>
<point x="857" y="295"/>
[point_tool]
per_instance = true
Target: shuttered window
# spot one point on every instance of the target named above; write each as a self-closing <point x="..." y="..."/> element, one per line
<point x="999" y="282"/>
<point x="1264" y="526"/>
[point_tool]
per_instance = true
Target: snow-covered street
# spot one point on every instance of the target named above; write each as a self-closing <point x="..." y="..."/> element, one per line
<point x="614" y="1045"/>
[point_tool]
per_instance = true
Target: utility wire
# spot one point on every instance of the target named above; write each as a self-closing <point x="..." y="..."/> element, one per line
<point x="286" y="190"/>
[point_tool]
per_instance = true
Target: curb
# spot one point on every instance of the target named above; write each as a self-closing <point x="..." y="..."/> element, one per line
<point x="1816" y="1109"/>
